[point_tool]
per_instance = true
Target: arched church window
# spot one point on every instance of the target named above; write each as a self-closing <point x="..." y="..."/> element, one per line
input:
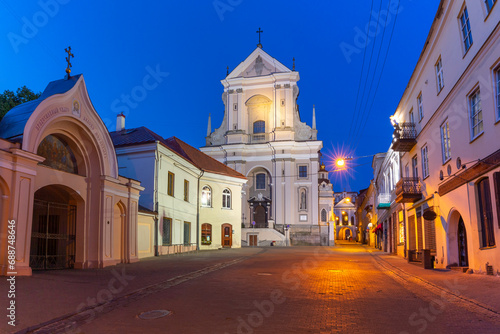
<point x="206" y="196"/>
<point x="323" y="215"/>
<point x="226" y="199"/>
<point x="57" y="154"/>
<point x="259" y="127"/>
<point x="260" y="181"/>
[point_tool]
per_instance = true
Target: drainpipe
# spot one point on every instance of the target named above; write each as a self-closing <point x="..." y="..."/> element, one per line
<point x="198" y="212"/>
<point x="157" y="164"/>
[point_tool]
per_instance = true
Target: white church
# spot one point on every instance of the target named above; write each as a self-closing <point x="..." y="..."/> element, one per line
<point x="263" y="138"/>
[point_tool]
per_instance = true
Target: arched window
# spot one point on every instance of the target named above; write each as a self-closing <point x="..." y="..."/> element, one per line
<point x="206" y="196"/>
<point x="260" y="181"/>
<point x="352" y="220"/>
<point x="206" y="234"/>
<point x="485" y="213"/>
<point x="259" y="127"/>
<point x="57" y="154"/>
<point x="226" y="199"/>
<point x="323" y="215"/>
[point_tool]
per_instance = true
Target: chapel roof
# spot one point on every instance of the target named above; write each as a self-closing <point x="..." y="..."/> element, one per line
<point x="13" y="123"/>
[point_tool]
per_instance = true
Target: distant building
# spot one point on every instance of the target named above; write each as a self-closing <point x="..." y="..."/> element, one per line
<point x="447" y="132"/>
<point x="345" y="216"/>
<point x="192" y="200"/>
<point x="326" y="203"/>
<point x="262" y="137"/>
<point x="59" y="186"/>
<point x="365" y="215"/>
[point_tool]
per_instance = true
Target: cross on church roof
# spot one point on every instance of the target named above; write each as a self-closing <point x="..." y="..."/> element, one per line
<point x="259" y="32"/>
<point x="68" y="59"/>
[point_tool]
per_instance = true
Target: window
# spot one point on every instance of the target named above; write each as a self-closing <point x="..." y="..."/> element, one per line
<point x="323" y="215"/>
<point x="425" y="162"/>
<point x="445" y="142"/>
<point x="465" y="27"/>
<point x="302" y="171"/>
<point x="439" y="75"/>
<point x="420" y="107"/>
<point x="485" y="213"/>
<point x="489" y="4"/>
<point x="401" y="227"/>
<point x="206" y="234"/>
<point x="206" y="197"/>
<point x="414" y="166"/>
<point x="496" y="179"/>
<point x="259" y="127"/>
<point x="186" y="190"/>
<point x="226" y="199"/>
<point x="167" y="231"/>
<point x="260" y="181"/>
<point x="412" y="117"/>
<point x="476" y="114"/>
<point x="170" y="189"/>
<point x="497" y="80"/>
<point x="187" y="233"/>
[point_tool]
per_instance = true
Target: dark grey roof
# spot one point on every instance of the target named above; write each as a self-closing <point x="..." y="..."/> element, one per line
<point x="135" y="136"/>
<point x="13" y="123"/>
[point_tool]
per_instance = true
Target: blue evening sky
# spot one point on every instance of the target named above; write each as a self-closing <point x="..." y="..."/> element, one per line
<point x="190" y="43"/>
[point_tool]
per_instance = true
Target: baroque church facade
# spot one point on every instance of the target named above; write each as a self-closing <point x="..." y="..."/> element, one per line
<point x="263" y="138"/>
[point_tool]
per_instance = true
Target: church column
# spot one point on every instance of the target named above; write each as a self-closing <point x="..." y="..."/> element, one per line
<point x="314" y="191"/>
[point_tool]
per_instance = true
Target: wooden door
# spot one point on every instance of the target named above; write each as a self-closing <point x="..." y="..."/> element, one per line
<point x="463" y="257"/>
<point x="227" y="235"/>
<point x="252" y="240"/>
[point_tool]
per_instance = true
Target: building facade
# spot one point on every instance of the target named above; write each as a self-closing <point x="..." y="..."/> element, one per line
<point x="345" y="216"/>
<point x="196" y="199"/>
<point x="60" y="187"/>
<point x="447" y="130"/>
<point x="263" y="137"/>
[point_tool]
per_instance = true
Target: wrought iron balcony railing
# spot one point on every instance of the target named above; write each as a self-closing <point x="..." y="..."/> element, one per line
<point x="405" y="135"/>
<point x="408" y="190"/>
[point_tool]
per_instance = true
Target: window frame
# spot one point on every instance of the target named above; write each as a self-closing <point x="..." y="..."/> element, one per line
<point x="169" y="241"/>
<point x="465" y="30"/>
<point x="206" y="190"/>
<point x="170" y="183"/>
<point x="257" y="181"/>
<point x="260" y="125"/>
<point x="206" y="230"/>
<point x="487" y="5"/>
<point x="325" y="218"/>
<point x="478" y="113"/>
<point x="188" y="224"/>
<point x="414" y="166"/>
<point x="186" y="190"/>
<point x="496" y="76"/>
<point x="226" y="199"/>
<point x="439" y="74"/>
<point x="411" y="116"/>
<point x="424" y="151"/>
<point x="445" y="142"/>
<point x="299" y="175"/>
<point x="420" y="107"/>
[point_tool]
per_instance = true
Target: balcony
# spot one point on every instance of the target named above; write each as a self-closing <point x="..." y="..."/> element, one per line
<point x="408" y="190"/>
<point x="383" y="201"/>
<point x="405" y="135"/>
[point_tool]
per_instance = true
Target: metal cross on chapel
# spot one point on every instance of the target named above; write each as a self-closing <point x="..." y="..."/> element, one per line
<point x="259" y="32"/>
<point x="68" y="60"/>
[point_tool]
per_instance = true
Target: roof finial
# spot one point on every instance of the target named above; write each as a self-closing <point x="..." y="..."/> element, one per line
<point x="293" y="67"/>
<point x="314" y="118"/>
<point x="68" y="59"/>
<point x="227" y="71"/>
<point x="259" y="32"/>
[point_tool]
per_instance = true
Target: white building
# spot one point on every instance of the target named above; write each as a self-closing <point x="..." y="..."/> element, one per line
<point x="263" y="137"/>
<point x="326" y="204"/>
<point x="447" y="125"/>
<point x="345" y="216"/>
<point x="195" y="200"/>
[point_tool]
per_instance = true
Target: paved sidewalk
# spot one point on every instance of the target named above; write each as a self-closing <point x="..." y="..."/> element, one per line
<point x="479" y="287"/>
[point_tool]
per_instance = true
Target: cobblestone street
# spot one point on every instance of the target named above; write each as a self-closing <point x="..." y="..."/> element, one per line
<point x="349" y="288"/>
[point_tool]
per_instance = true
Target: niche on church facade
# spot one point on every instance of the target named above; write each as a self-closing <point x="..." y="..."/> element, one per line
<point x="259" y="117"/>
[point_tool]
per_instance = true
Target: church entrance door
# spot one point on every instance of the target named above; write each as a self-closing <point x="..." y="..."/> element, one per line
<point x="252" y="240"/>
<point x="259" y="216"/>
<point x="227" y="235"/>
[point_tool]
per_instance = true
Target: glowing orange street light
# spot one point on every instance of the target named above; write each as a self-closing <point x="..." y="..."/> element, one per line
<point x="340" y="162"/>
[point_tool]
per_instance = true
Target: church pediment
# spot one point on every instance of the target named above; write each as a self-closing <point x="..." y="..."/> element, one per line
<point x="258" y="63"/>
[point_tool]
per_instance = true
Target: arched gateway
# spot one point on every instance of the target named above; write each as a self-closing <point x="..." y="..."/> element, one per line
<point x="71" y="208"/>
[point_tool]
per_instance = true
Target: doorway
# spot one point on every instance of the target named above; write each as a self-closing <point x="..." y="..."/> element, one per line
<point x="259" y="216"/>
<point x="227" y="235"/>
<point x="252" y="240"/>
<point x="463" y="257"/>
